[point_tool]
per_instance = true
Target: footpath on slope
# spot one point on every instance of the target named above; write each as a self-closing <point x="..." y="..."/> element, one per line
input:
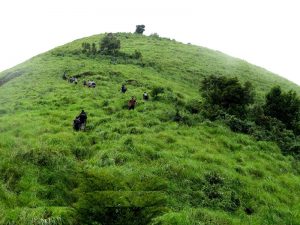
<point x="11" y="75"/>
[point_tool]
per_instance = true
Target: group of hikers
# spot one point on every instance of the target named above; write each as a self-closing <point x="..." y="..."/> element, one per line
<point x="80" y="120"/>
<point x="90" y="83"/>
<point x="74" y="80"/>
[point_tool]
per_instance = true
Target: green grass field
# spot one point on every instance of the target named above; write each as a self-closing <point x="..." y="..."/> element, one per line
<point x="139" y="166"/>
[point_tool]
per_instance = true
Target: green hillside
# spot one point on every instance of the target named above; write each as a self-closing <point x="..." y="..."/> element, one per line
<point x="138" y="166"/>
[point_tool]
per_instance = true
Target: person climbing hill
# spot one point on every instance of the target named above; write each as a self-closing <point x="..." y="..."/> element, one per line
<point x="83" y="116"/>
<point x="123" y="88"/>
<point x="145" y="96"/>
<point x="132" y="102"/>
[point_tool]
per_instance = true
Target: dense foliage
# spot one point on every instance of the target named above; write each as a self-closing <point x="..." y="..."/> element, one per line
<point x="110" y="44"/>
<point x="277" y="120"/>
<point x="227" y="94"/>
<point x="284" y="107"/>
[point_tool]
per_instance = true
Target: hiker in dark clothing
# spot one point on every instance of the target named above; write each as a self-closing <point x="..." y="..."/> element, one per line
<point x="123" y="88"/>
<point x="80" y="121"/>
<point x="145" y="96"/>
<point x="73" y="80"/>
<point x="77" y="124"/>
<point x="83" y="116"/>
<point x="132" y="103"/>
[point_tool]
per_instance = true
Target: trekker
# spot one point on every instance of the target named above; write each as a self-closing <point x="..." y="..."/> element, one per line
<point x="145" y="96"/>
<point x="123" y="88"/>
<point x="77" y="123"/>
<point x="132" y="103"/>
<point x="83" y="116"/>
<point x="73" y="80"/>
<point x="91" y="84"/>
<point x="80" y="121"/>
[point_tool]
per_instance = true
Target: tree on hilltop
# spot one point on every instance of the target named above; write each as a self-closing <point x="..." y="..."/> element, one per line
<point x="140" y="29"/>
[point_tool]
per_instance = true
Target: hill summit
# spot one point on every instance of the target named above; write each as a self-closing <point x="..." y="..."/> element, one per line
<point x="161" y="163"/>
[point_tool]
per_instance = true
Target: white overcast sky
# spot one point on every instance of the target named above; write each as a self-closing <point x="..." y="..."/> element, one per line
<point x="262" y="32"/>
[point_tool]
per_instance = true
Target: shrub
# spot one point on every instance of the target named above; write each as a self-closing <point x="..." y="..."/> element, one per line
<point x="227" y="93"/>
<point x="283" y="106"/>
<point x="194" y="106"/>
<point x="86" y="47"/>
<point x="239" y="125"/>
<point x="295" y="150"/>
<point x="110" y="44"/>
<point x="212" y="112"/>
<point x="156" y="91"/>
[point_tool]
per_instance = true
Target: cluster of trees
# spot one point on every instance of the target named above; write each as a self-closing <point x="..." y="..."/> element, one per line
<point x="277" y="119"/>
<point x="89" y="48"/>
<point x="108" y="45"/>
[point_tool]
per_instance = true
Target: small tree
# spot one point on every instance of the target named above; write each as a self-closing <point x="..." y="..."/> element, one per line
<point x="94" y="49"/>
<point x="227" y="94"/>
<point x="86" y="47"/>
<point x="283" y="106"/>
<point x="110" y="44"/>
<point x="140" y="29"/>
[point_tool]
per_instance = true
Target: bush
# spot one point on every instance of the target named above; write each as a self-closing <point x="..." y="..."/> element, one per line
<point x="194" y="106"/>
<point x="227" y="93"/>
<point x="86" y="47"/>
<point x="295" y="150"/>
<point x="239" y="125"/>
<point x="283" y="106"/>
<point x="110" y="45"/>
<point x="220" y="192"/>
<point x="212" y="112"/>
<point x="156" y="91"/>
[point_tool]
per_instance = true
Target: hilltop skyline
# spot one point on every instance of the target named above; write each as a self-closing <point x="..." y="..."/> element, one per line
<point x="262" y="33"/>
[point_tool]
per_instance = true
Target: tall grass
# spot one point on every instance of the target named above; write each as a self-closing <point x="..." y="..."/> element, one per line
<point x="141" y="166"/>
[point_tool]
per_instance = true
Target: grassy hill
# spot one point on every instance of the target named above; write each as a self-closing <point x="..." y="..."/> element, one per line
<point x="135" y="167"/>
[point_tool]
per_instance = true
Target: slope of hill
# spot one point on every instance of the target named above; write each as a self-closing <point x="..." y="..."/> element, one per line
<point x="135" y="167"/>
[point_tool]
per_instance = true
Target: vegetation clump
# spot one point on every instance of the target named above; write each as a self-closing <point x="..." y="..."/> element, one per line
<point x="284" y="107"/>
<point x="110" y="44"/>
<point x="227" y="94"/>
